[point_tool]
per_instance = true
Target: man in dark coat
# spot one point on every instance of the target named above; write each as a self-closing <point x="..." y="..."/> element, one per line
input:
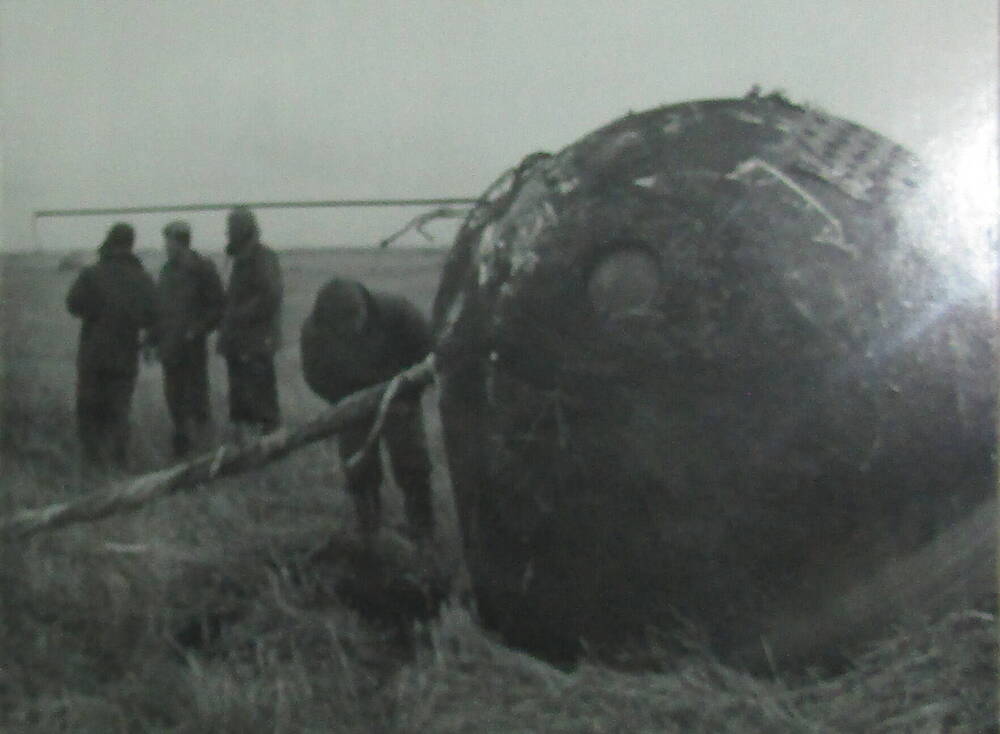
<point x="354" y="339"/>
<point x="115" y="298"/>
<point x="250" y="332"/>
<point x="190" y="307"/>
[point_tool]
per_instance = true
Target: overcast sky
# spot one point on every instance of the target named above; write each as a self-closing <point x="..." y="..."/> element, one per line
<point x="137" y="103"/>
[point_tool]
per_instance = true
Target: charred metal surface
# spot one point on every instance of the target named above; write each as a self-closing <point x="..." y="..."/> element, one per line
<point x="798" y="388"/>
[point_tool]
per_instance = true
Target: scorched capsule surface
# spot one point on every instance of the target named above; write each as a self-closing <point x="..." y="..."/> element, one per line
<point x="711" y="363"/>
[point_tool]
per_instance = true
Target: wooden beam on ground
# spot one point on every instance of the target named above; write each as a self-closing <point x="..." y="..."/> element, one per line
<point x="131" y="494"/>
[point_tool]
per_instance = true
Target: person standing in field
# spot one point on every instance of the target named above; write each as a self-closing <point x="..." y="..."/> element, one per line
<point x="191" y="300"/>
<point x="116" y="299"/>
<point x="353" y="339"/>
<point x="250" y="332"/>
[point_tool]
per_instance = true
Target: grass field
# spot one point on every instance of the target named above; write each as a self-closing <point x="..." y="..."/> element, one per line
<point x="199" y="614"/>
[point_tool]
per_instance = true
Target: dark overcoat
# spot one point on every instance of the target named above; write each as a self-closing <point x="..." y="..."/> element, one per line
<point x="115" y="298"/>
<point x="251" y="322"/>
<point x="191" y="302"/>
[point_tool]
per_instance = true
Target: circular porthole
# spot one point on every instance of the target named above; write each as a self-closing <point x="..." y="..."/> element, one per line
<point x="622" y="282"/>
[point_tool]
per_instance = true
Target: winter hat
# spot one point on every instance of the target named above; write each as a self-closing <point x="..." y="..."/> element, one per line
<point x="242" y="228"/>
<point x="120" y="238"/>
<point x="179" y="231"/>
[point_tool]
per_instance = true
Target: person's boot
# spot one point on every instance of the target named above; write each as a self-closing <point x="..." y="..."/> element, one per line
<point x="368" y="509"/>
<point x="419" y="515"/>
<point x="181" y="444"/>
<point x="117" y="452"/>
<point x="238" y="433"/>
<point x="246" y="433"/>
<point x="201" y="435"/>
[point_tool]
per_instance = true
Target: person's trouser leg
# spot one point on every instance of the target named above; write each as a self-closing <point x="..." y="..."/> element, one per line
<point x="185" y="383"/>
<point x="407" y="444"/>
<point x="198" y="394"/>
<point x="103" y="402"/>
<point x="364" y="481"/>
<point x="253" y="392"/>
<point x="235" y="394"/>
<point x="240" y="398"/>
<point x="89" y="417"/>
<point x="267" y="414"/>
<point x="175" y="390"/>
<point x="119" y="389"/>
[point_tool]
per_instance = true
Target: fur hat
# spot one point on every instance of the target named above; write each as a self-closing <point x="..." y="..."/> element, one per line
<point x="241" y="228"/>
<point x="345" y="306"/>
<point x="120" y="238"/>
<point x="178" y="231"/>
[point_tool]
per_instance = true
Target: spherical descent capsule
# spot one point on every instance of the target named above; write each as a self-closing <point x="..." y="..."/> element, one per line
<point x="717" y="362"/>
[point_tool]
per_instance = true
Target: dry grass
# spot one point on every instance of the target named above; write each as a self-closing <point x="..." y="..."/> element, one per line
<point x="201" y="614"/>
<point x="939" y="677"/>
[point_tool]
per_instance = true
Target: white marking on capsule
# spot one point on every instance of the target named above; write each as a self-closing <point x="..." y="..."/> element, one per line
<point x="672" y="126"/>
<point x="567" y="186"/>
<point x="524" y="262"/>
<point x="833" y="231"/>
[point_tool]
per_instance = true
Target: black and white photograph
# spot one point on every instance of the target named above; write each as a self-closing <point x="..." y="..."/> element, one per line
<point x="451" y="366"/>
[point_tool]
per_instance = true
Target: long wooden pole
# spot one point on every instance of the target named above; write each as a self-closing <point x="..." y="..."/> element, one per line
<point x="217" y="206"/>
<point x="131" y="494"/>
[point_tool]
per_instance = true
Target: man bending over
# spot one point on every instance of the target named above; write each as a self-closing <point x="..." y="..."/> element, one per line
<point x="353" y="339"/>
